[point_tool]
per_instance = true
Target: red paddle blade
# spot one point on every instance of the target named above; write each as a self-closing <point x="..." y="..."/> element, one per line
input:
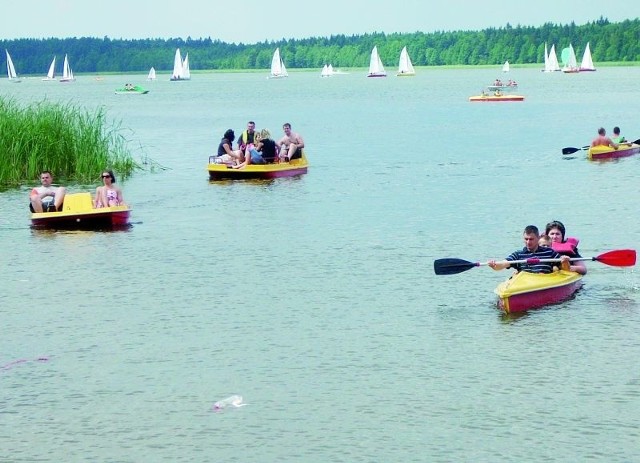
<point x="618" y="258"/>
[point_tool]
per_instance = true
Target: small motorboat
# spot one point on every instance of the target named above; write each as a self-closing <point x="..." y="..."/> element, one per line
<point x="496" y="97"/>
<point x="260" y="171"/>
<point x="131" y="90"/>
<point x="525" y="290"/>
<point x="78" y="213"/>
<point x="607" y="152"/>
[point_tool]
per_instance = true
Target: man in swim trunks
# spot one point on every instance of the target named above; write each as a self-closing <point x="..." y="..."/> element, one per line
<point x="290" y="145"/>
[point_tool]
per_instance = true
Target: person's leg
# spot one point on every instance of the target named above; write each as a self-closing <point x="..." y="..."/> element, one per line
<point x="59" y="198"/>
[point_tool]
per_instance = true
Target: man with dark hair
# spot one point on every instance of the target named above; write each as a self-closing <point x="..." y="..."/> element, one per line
<point x="291" y="144"/>
<point x="531" y="250"/>
<point x="617" y="138"/>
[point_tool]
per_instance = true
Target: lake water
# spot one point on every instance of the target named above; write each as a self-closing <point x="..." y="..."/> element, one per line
<point x="314" y="297"/>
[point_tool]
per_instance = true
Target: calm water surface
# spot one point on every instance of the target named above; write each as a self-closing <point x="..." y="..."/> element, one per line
<point x="314" y="298"/>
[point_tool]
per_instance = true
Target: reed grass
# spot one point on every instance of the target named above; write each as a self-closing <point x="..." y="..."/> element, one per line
<point x="76" y="145"/>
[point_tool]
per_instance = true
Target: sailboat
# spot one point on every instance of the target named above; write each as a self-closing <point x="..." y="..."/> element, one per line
<point x="505" y="66"/>
<point x="152" y="74"/>
<point x="376" y="69"/>
<point x="277" y="66"/>
<point x="180" y="68"/>
<point x="587" y="62"/>
<point x="325" y="71"/>
<point x="51" y="75"/>
<point x="551" y="64"/>
<point x="67" y="73"/>
<point x="186" y="72"/>
<point x="405" y="67"/>
<point x="569" y="60"/>
<point x="11" y="70"/>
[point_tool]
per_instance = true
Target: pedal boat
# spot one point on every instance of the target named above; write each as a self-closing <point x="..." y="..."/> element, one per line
<point x="607" y="152"/>
<point x="78" y="213"/>
<point x="496" y="98"/>
<point x="260" y="171"/>
<point x="525" y="290"/>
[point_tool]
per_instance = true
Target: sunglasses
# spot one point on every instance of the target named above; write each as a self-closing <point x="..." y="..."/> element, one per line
<point x="106" y="176"/>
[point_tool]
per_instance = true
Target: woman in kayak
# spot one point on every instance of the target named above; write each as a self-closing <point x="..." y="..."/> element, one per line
<point x="556" y="231"/>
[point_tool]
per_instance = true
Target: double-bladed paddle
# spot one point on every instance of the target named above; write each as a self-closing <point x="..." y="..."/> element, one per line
<point x="571" y="150"/>
<point x="617" y="258"/>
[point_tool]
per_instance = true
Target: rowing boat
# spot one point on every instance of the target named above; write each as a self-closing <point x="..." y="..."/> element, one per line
<point x="495" y="98"/>
<point x="526" y="290"/>
<point x="260" y="171"/>
<point x="607" y="152"/>
<point x="78" y="213"/>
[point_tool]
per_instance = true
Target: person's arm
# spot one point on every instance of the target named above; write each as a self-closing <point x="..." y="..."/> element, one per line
<point x="300" y="142"/>
<point x="499" y="265"/>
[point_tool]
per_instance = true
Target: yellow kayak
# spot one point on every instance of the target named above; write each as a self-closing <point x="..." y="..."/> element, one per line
<point x="525" y="290"/>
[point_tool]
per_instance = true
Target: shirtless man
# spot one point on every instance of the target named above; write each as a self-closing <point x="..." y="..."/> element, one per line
<point x="603" y="140"/>
<point x="291" y="144"/>
<point x="46" y="194"/>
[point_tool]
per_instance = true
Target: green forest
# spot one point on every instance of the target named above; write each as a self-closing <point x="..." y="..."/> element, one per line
<point x="609" y="42"/>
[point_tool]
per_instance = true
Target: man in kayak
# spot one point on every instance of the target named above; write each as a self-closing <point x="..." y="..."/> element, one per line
<point x="46" y="197"/>
<point x="617" y="138"/>
<point x="531" y="250"/>
<point x="603" y="140"/>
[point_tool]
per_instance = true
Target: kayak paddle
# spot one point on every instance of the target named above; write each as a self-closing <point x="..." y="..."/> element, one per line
<point x="571" y="150"/>
<point x="617" y="258"/>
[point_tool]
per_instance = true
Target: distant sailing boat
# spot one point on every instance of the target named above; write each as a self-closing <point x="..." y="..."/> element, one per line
<point x="405" y="66"/>
<point x="376" y="69"/>
<point x="551" y="64"/>
<point x="11" y="70"/>
<point x="325" y="71"/>
<point x="180" y="68"/>
<point x="51" y="75"/>
<point x="152" y="74"/>
<point x="277" y="66"/>
<point x="505" y="66"/>
<point x="67" y="73"/>
<point x="587" y="62"/>
<point x="569" y="60"/>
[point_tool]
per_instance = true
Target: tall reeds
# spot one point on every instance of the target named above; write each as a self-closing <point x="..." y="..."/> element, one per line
<point x="74" y="144"/>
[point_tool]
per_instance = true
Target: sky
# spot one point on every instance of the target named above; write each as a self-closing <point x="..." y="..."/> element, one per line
<point x="273" y="20"/>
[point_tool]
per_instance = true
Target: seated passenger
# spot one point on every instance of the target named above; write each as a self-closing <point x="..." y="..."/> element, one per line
<point x="46" y="197"/>
<point x="290" y="145"/>
<point x="109" y="194"/>
<point x="225" y="154"/>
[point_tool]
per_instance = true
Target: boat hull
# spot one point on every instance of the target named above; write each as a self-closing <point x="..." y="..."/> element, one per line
<point x="78" y="213"/>
<point x="494" y="98"/>
<point x="493" y="88"/>
<point x="258" y="171"/>
<point x="525" y="291"/>
<point x="606" y="152"/>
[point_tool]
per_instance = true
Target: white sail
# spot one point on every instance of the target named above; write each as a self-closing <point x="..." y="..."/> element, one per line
<point x="177" y="66"/>
<point x="546" y="59"/>
<point x="325" y="71"/>
<point x="152" y="74"/>
<point x="277" y="66"/>
<point x="330" y="70"/>
<point x="11" y="70"/>
<point x="376" y="69"/>
<point x="587" y="62"/>
<point x="67" y="73"/>
<point x="569" y="59"/>
<point x="505" y="66"/>
<point x="51" y="75"/>
<point x="405" y="66"/>
<point x="553" y="60"/>
<point x="186" y="72"/>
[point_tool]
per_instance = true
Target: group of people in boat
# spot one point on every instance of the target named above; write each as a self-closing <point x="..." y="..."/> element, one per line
<point x="603" y="140"/>
<point x="552" y="244"/>
<point x="510" y="83"/>
<point x="257" y="147"/>
<point x="49" y="198"/>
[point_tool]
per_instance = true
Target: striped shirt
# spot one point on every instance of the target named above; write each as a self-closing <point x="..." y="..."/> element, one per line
<point x="540" y="253"/>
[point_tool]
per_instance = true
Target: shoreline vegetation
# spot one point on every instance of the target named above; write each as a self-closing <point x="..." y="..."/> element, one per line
<point x="73" y="143"/>
<point x="520" y="45"/>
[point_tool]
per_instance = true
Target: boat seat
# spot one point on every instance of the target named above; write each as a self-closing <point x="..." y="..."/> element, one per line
<point x="77" y="202"/>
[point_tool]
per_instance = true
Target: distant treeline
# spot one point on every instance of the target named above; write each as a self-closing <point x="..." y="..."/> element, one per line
<point x="608" y="42"/>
